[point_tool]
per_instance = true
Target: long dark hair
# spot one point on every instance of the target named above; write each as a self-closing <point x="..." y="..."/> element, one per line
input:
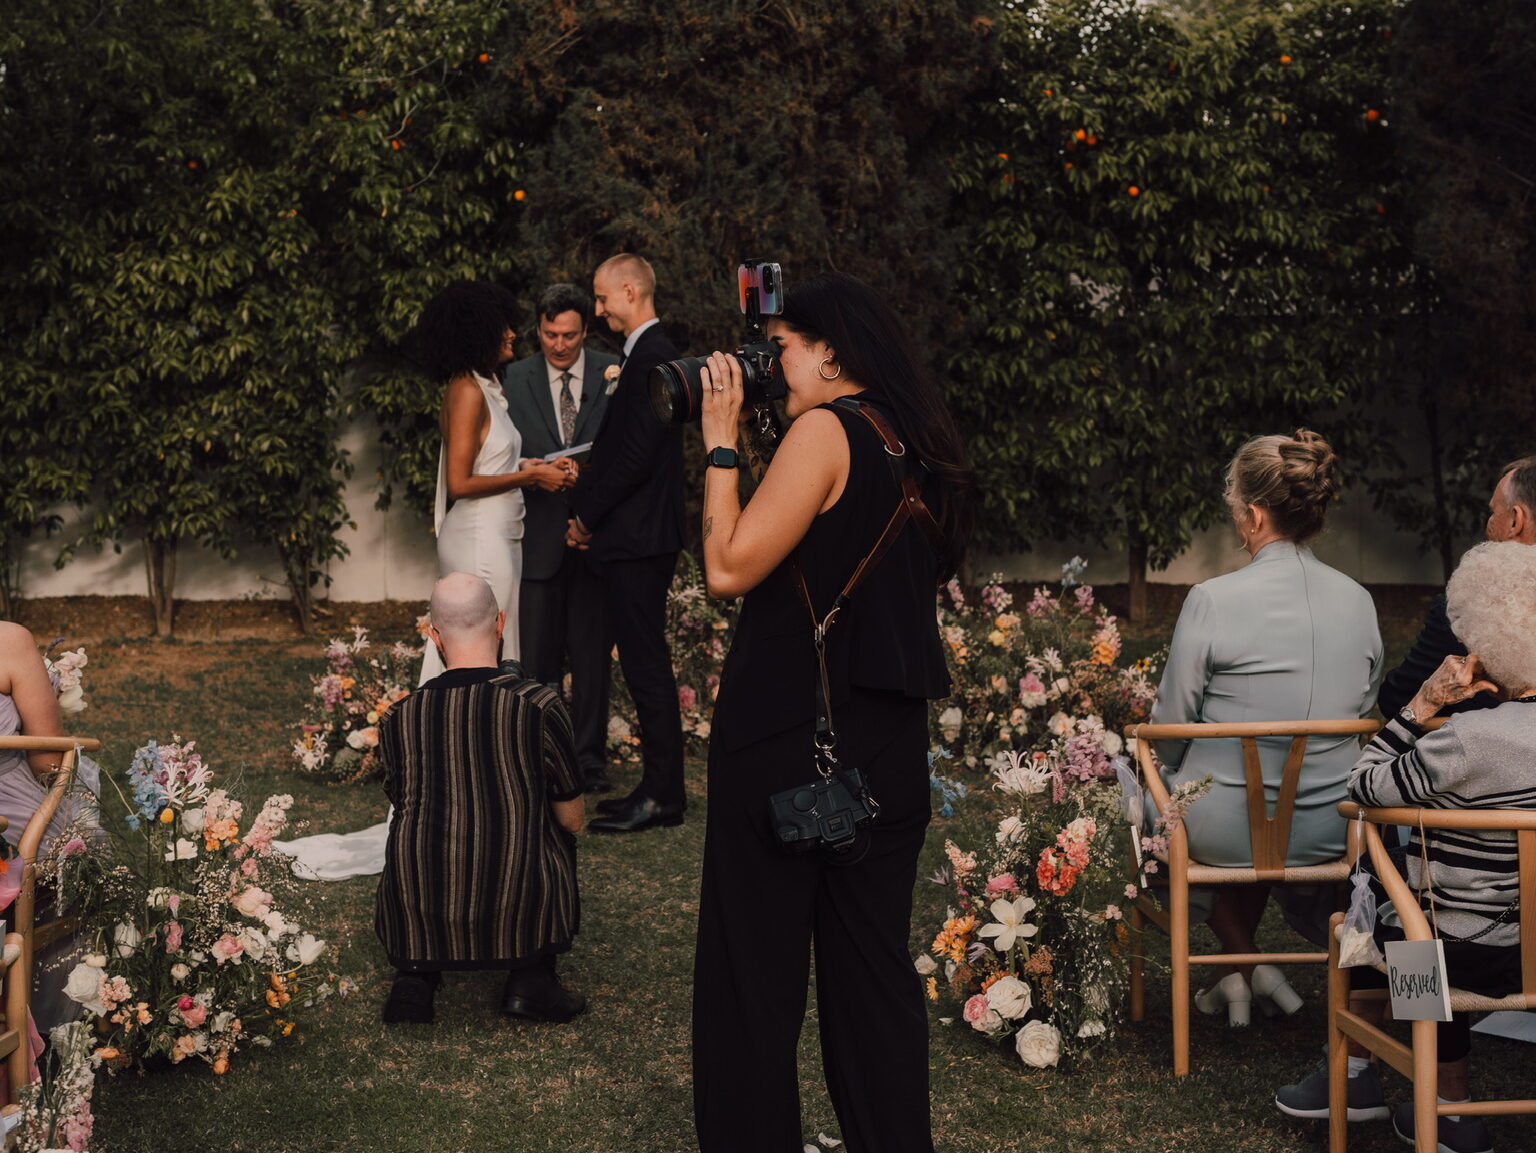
<point x="874" y="350"/>
<point x="461" y="329"/>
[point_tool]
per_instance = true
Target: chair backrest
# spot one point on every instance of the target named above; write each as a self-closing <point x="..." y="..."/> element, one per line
<point x="1269" y="833"/>
<point x="1416" y="927"/>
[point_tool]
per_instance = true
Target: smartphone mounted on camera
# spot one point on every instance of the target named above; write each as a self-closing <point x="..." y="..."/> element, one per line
<point x="677" y="391"/>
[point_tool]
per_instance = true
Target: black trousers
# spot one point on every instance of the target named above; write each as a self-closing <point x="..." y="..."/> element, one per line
<point x="760" y="912"/>
<point x="566" y="618"/>
<point x="636" y="595"/>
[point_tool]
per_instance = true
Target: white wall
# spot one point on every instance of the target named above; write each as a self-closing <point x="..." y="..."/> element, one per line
<point x="393" y="556"/>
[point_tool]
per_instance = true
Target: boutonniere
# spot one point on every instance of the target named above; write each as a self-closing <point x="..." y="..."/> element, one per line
<point x="611" y="375"/>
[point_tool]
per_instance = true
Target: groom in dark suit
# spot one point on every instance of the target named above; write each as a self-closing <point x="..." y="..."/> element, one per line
<point x="628" y="508"/>
<point x="557" y="398"/>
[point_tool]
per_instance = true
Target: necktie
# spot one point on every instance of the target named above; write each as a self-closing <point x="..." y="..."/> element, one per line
<point x="567" y="409"/>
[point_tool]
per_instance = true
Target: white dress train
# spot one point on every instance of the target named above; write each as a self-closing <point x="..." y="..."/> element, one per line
<point x="483" y="535"/>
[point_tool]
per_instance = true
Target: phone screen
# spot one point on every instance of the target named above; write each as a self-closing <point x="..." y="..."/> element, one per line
<point x="768" y="279"/>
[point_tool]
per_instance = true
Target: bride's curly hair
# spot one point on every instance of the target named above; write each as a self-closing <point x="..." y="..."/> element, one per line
<point x="461" y="329"/>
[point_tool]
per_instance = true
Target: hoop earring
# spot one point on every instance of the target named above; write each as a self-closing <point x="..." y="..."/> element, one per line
<point x="821" y="370"/>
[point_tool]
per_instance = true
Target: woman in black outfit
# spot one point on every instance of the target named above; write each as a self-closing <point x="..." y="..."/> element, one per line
<point x="822" y="504"/>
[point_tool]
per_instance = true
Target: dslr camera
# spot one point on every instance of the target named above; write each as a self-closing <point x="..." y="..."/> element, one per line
<point x="677" y="392"/>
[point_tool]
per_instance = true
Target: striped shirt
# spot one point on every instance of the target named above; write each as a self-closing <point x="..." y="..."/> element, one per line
<point x="477" y="872"/>
<point x="1478" y="760"/>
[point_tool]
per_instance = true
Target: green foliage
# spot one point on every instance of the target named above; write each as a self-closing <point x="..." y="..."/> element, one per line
<point x="1181" y="235"/>
<point x="1463" y="109"/>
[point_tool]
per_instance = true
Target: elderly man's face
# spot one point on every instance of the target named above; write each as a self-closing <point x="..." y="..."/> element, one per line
<point x="1504" y="521"/>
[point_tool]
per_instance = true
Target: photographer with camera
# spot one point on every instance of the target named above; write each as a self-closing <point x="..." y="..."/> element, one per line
<point x="818" y="770"/>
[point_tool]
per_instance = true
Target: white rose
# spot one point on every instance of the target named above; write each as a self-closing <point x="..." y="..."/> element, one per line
<point x="925" y="965"/>
<point x="184" y="850"/>
<point x="84" y="986"/>
<point x="1091" y="1029"/>
<point x="1009" y="829"/>
<point x="1060" y="725"/>
<point x="192" y="821"/>
<point x="1010" y="998"/>
<point x="278" y="925"/>
<point x="71" y="699"/>
<point x="180" y="972"/>
<point x="1038" y="1044"/>
<point x="356" y="739"/>
<point x="127" y="938"/>
<point x="95" y="960"/>
<point x="950" y="720"/>
<point x="1111" y="742"/>
<point x="306" y="950"/>
<point x="255" y="944"/>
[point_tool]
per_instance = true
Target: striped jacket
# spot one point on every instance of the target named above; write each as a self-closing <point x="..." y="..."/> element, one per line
<point x="477" y="872"/>
<point x="1479" y="760"/>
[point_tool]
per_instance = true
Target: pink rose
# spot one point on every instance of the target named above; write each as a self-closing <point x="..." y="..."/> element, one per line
<point x="172" y="936"/>
<point x="982" y="1017"/>
<point x="687" y="697"/>
<point x="227" y="948"/>
<point x="248" y="866"/>
<point x="72" y="846"/>
<point x="173" y="902"/>
<point x="194" y="1014"/>
<point x="1002" y="884"/>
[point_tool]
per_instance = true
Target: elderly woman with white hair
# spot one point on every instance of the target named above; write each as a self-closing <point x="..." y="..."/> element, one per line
<point x="1480" y="759"/>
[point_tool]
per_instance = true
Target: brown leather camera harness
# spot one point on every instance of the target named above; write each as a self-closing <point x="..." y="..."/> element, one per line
<point x="907" y="471"/>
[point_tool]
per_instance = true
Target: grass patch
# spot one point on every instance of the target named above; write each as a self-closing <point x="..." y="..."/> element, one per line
<point x="618" y="1080"/>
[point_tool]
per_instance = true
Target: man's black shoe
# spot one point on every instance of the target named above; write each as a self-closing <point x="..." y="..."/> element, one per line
<point x="639" y="813"/>
<point x="541" y="1000"/>
<point x="614" y="804"/>
<point x="598" y="782"/>
<point x="410" y="999"/>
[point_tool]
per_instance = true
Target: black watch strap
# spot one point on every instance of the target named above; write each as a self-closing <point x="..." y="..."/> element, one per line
<point x="721" y="458"/>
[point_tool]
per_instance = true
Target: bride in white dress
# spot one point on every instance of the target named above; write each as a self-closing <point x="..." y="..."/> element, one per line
<point x="465" y="336"/>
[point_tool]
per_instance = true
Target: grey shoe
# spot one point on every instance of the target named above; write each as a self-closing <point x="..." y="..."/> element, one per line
<point x="1464" y="1135"/>
<point x="1308" y="1098"/>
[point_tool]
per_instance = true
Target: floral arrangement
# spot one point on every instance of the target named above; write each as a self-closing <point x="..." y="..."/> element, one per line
<point x="65" y="675"/>
<point x="361" y="683"/>
<point x="1033" y="951"/>
<point x="56" y="1108"/>
<point x="698" y="634"/>
<point x="1021" y="674"/>
<point x="188" y="954"/>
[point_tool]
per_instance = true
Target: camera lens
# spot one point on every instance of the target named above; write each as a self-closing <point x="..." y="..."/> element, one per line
<point x="677" y="391"/>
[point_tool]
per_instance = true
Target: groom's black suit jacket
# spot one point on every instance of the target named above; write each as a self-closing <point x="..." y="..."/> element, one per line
<point x="532" y="409"/>
<point x="631" y="496"/>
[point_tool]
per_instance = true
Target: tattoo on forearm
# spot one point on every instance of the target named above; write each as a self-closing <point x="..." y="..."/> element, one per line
<point x="709" y="526"/>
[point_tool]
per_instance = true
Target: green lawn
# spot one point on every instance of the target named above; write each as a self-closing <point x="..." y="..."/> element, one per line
<point x="617" y="1080"/>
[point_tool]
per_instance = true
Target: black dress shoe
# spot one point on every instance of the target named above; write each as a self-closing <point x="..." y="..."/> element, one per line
<point x="639" y="813"/>
<point x="410" y="999"/>
<point x="598" y="782"/>
<point x="546" y="1000"/>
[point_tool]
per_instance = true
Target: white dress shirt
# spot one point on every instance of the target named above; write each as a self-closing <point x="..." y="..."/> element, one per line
<point x="576" y="371"/>
<point x="629" y="341"/>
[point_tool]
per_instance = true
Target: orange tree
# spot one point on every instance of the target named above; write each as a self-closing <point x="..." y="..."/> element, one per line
<point x="1182" y="232"/>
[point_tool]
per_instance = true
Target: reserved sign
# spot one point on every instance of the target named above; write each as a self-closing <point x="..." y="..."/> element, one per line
<point x="1417" y="981"/>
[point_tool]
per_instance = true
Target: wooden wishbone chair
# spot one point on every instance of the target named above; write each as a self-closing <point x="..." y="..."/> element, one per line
<point x="1418" y="1059"/>
<point x="1269" y="833"/>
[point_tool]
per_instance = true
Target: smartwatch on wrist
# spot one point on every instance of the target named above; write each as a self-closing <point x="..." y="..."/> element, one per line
<point x="721" y="458"/>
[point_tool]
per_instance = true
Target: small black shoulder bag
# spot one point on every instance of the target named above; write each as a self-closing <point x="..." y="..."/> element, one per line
<point x="832" y="813"/>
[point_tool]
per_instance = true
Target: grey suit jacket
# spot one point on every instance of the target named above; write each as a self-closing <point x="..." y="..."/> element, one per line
<point x="533" y="411"/>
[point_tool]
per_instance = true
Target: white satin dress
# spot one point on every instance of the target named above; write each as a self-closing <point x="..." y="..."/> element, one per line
<point x="483" y="535"/>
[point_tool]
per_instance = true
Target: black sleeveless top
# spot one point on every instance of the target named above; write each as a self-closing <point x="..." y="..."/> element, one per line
<point x="886" y="640"/>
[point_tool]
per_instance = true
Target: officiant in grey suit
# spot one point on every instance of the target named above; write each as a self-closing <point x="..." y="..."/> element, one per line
<point x="557" y="398"/>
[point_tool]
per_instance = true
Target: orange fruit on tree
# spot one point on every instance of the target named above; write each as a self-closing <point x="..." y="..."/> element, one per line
<point x="1372" y="115"/>
<point x="1068" y="166"/>
<point x="1048" y="92"/>
<point x="484" y="57"/>
<point x="1092" y="140"/>
<point x="1080" y="134"/>
<point x="1002" y="156"/>
<point x="520" y="195"/>
<point x="1133" y="191"/>
<point x="1285" y="59"/>
<point x="192" y="164"/>
<point x="396" y="145"/>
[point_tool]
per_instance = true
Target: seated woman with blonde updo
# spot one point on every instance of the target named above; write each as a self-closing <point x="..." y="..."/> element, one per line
<point x="1285" y="638"/>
